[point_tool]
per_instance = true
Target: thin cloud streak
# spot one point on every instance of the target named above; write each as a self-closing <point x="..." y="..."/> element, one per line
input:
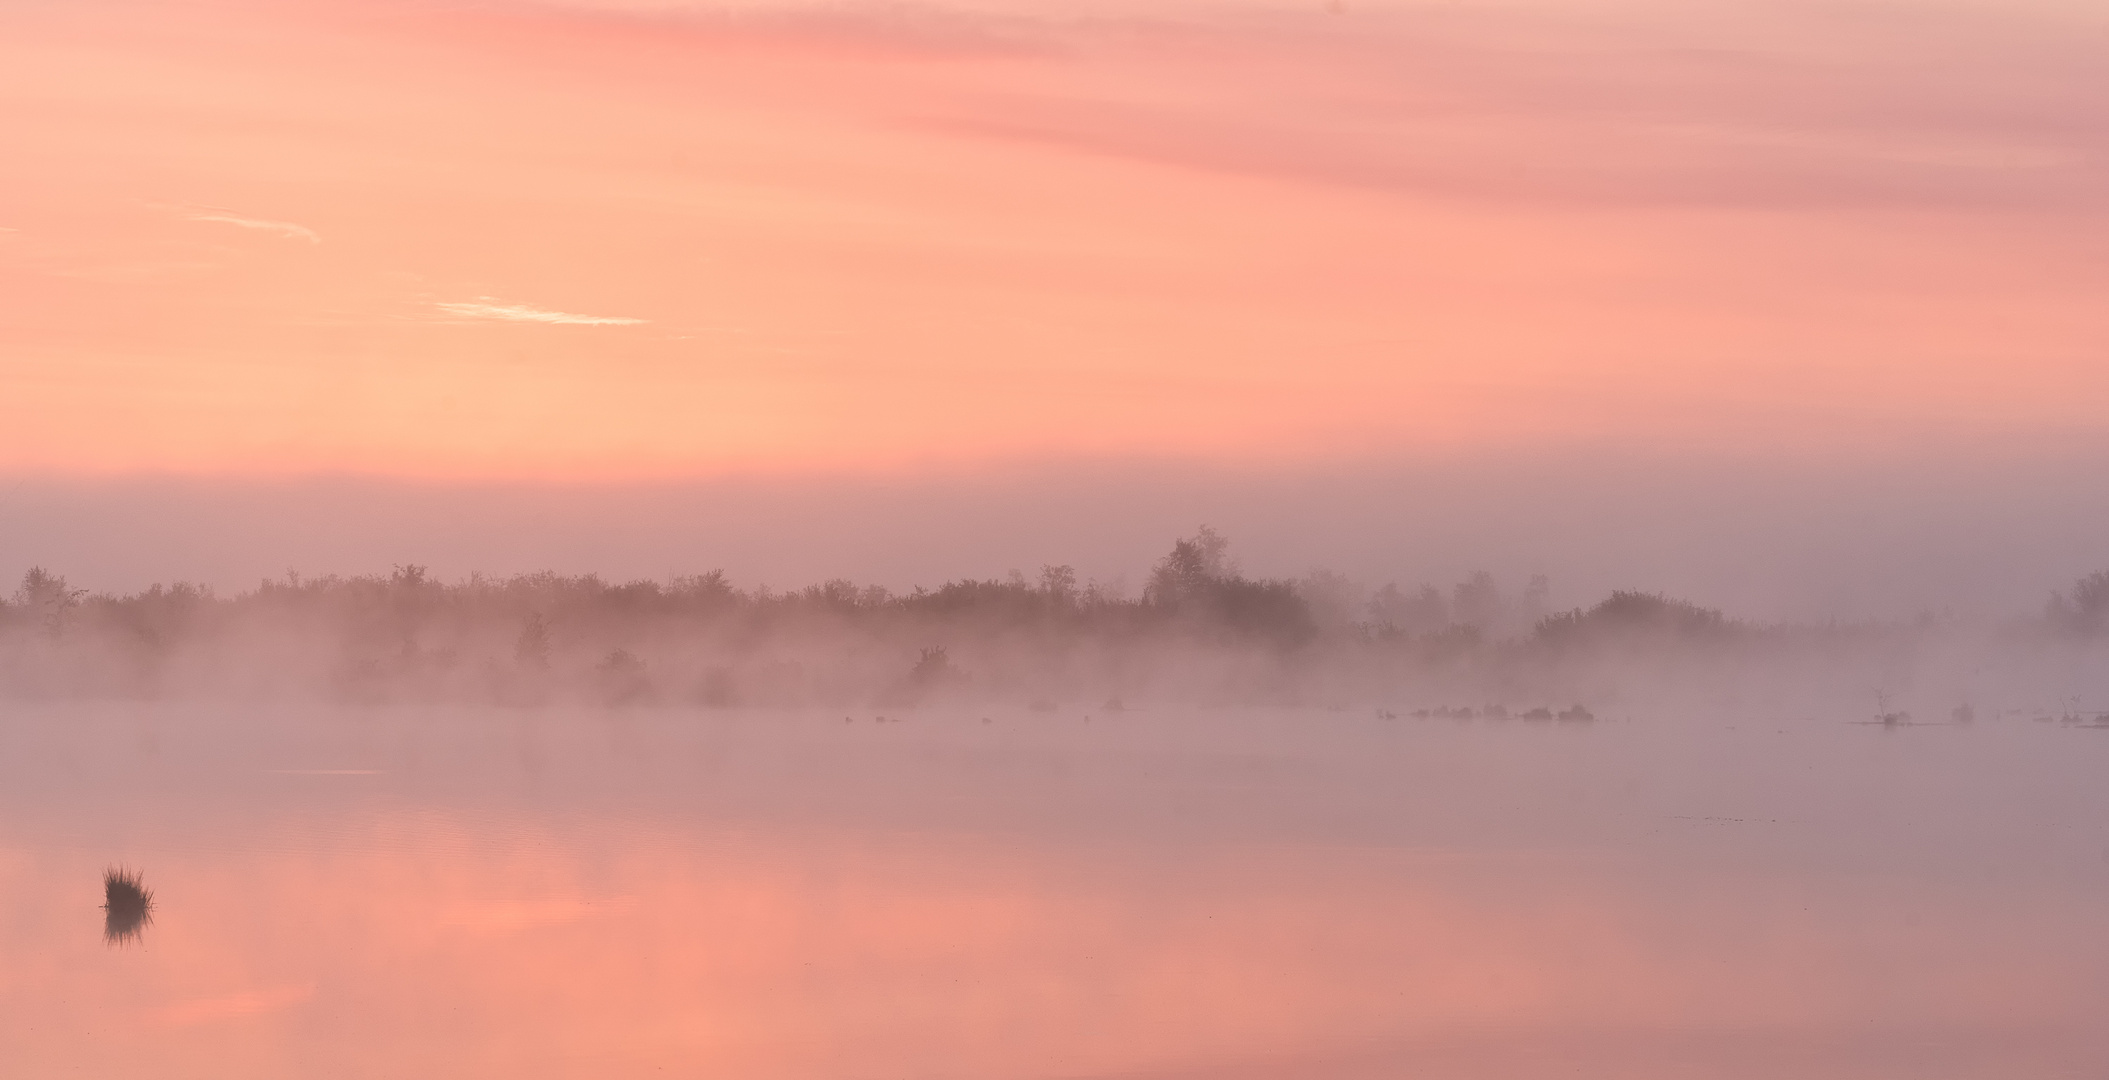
<point x="486" y="308"/>
<point x="285" y="229"/>
<point x="1749" y="106"/>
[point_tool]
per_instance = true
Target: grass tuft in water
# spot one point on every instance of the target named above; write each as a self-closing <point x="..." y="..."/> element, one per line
<point x="128" y="905"/>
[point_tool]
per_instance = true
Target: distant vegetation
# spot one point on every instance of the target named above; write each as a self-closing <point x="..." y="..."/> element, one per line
<point x="1637" y="616"/>
<point x="1200" y="631"/>
<point x="2084" y="610"/>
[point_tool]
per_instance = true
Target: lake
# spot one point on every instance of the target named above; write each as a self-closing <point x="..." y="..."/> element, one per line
<point x="1153" y="893"/>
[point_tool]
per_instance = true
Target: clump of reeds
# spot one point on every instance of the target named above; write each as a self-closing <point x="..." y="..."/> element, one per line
<point x="128" y="905"/>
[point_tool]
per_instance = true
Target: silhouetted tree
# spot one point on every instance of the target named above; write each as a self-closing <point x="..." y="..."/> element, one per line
<point x="48" y="599"/>
<point x="1058" y="583"/>
<point x="1193" y="565"/>
<point x="1197" y="582"/>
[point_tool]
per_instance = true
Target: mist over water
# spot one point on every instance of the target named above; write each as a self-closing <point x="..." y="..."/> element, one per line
<point x="1175" y="813"/>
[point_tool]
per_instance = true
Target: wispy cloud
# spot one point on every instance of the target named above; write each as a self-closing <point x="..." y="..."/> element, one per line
<point x="285" y="229"/>
<point x="1852" y="104"/>
<point x="485" y="307"/>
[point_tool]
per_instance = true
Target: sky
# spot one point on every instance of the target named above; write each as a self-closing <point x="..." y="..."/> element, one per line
<point x="1600" y="248"/>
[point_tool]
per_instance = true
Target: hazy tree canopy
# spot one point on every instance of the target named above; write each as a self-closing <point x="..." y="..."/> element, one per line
<point x="1335" y="601"/>
<point x="531" y="648"/>
<point x="1197" y="583"/>
<point x="46" y="598"/>
<point x="1421" y="612"/>
<point x="698" y="638"/>
<point x="1477" y="602"/>
<point x="1193" y="566"/>
<point x="1630" y="614"/>
<point x="1058" y="582"/>
<point x="2084" y="609"/>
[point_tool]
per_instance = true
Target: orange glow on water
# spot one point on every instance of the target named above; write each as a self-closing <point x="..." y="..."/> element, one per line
<point x="529" y="952"/>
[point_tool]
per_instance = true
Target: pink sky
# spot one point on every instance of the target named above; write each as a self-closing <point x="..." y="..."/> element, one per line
<point x="514" y="241"/>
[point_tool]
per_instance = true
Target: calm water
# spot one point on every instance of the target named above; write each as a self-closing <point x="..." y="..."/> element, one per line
<point x="1154" y="894"/>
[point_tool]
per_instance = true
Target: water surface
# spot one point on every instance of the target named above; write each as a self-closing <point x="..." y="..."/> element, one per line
<point x="1150" y="894"/>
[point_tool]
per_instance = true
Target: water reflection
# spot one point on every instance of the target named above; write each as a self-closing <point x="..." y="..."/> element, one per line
<point x="128" y="906"/>
<point x="1219" y="897"/>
